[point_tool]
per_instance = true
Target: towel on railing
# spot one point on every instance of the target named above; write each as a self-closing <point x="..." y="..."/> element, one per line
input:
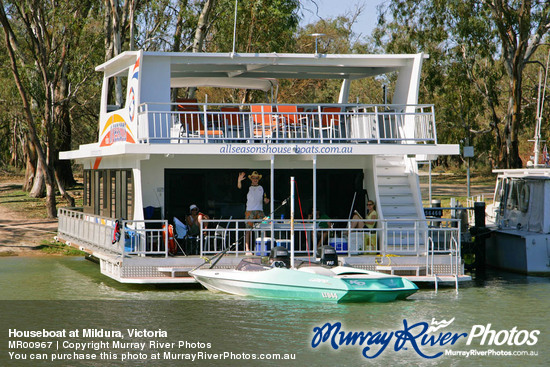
<point x="181" y="228"/>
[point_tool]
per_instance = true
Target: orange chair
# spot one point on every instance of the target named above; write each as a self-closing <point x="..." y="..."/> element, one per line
<point x="265" y="122"/>
<point x="190" y="120"/>
<point x="296" y="124"/>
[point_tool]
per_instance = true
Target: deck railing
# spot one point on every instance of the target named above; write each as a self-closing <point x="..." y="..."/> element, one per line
<point x="96" y="233"/>
<point x="144" y="238"/>
<point x="250" y="123"/>
<point x="405" y="237"/>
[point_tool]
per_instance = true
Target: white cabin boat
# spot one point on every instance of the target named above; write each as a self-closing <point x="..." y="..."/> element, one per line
<point x="520" y="217"/>
<point x="156" y="156"/>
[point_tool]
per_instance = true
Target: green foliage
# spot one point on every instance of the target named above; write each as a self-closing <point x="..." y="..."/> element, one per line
<point x="263" y="26"/>
<point x="468" y="74"/>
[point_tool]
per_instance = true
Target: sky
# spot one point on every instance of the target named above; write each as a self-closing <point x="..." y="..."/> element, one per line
<point x="333" y="8"/>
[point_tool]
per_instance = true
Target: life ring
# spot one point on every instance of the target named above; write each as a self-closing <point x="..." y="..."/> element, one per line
<point x="172" y="249"/>
<point x="116" y="232"/>
<point x="524" y="198"/>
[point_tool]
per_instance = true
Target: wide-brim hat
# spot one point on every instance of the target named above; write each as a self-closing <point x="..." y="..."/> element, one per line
<point x="255" y="174"/>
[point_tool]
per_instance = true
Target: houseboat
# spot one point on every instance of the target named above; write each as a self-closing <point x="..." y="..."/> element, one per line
<point x="157" y="155"/>
<point x="520" y="219"/>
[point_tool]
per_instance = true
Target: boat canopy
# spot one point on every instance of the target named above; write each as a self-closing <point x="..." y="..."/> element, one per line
<point x="264" y="84"/>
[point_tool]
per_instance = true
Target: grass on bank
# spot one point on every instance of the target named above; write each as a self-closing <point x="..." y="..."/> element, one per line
<point x="57" y="248"/>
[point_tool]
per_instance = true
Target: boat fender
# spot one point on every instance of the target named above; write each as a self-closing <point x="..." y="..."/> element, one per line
<point x="116" y="232"/>
<point x="524" y="198"/>
<point x="172" y="250"/>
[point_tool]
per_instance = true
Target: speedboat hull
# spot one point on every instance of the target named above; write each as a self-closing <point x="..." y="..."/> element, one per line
<point x="340" y="284"/>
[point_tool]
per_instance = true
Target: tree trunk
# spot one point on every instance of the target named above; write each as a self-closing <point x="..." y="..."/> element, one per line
<point x="38" y="186"/>
<point x="30" y="170"/>
<point x="63" y="168"/>
<point x="200" y="35"/>
<point x="63" y="192"/>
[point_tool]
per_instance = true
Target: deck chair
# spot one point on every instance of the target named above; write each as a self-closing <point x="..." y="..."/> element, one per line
<point x="190" y="120"/>
<point x="264" y="121"/>
<point x="330" y="121"/>
<point x="219" y="237"/>
<point x="296" y="124"/>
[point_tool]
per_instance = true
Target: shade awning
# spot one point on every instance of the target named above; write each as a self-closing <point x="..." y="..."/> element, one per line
<point x="264" y="84"/>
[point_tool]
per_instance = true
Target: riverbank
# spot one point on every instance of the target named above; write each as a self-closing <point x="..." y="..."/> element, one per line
<point x="21" y="231"/>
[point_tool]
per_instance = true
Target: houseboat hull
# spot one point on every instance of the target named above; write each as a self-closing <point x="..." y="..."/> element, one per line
<point x="310" y="284"/>
<point x="519" y="251"/>
<point x="520" y="241"/>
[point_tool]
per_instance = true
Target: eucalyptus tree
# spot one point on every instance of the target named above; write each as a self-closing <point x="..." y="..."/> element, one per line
<point x="41" y="39"/>
<point x="488" y="42"/>
<point x="262" y="26"/>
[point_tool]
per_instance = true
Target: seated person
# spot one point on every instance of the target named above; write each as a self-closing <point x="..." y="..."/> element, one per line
<point x="356" y="220"/>
<point x="364" y="240"/>
<point x="370" y="222"/>
<point x="323" y="233"/>
<point x="194" y="224"/>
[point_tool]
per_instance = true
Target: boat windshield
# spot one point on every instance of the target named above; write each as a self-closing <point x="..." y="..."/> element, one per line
<point x="252" y="264"/>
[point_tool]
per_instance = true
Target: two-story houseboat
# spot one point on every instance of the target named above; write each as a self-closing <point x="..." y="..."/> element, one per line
<point x="157" y="155"/>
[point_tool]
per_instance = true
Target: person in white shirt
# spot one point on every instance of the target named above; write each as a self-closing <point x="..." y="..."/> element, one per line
<point x="255" y="200"/>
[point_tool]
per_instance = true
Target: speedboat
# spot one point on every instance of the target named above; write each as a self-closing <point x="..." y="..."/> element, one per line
<point x="306" y="281"/>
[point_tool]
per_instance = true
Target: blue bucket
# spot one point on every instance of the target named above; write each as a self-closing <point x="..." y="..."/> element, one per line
<point x="340" y="244"/>
<point x="263" y="246"/>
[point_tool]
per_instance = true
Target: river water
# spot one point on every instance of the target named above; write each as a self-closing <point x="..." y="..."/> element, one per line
<point x="70" y="297"/>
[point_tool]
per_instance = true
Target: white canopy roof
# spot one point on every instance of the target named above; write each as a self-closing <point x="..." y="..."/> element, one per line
<point x="264" y="84"/>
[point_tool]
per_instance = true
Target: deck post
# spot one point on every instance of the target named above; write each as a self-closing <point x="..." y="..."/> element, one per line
<point x="271" y="202"/>
<point x="314" y="210"/>
<point x="292" y="222"/>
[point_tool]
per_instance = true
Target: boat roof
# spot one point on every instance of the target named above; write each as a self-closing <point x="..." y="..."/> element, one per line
<point x="267" y="65"/>
<point x="534" y="173"/>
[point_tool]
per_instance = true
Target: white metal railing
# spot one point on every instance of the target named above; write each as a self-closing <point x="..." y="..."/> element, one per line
<point x="451" y="247"/>
<point x="279" y="123"/>
<point x="406" y="237"/>
<point x="97" y="233"/>
<point x="90" y="231"/>
<point x="149" y="237"/>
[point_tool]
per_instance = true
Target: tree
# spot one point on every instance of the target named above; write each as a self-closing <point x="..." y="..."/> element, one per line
<point x="492" y="38"/>
<point x="46" y="36"/>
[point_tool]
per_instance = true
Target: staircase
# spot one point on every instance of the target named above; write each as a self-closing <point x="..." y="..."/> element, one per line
<point x="399" y="199"/>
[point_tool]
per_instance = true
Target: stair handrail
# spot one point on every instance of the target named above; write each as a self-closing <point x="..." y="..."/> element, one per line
<point x="455" y="242"/>
<point x="430" y="255"/>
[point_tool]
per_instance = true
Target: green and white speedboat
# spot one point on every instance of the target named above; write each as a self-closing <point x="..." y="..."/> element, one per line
<point x="305" y="282"/>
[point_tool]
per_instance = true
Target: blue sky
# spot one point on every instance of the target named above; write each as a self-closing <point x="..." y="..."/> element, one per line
<point x="332" y="8"/>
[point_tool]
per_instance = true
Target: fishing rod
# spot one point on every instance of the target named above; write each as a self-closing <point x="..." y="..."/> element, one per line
<point x="352" y="204"/>
<point x="220" y="254"/>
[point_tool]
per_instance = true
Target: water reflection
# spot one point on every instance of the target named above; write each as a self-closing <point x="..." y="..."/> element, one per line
<point x="76" y="295"/>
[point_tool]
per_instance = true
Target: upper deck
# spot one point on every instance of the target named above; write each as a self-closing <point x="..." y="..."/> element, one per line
<point x="144" y="118"/>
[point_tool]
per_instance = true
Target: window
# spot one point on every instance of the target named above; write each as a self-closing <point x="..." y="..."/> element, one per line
<point x="109" y="193"/>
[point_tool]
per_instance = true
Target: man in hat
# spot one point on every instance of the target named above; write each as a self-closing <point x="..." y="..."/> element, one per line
<point x="255" y="200"/>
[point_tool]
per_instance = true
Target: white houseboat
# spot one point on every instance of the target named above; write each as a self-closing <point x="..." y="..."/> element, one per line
<point x="520" y="217"/>
<point x="156" y="156"/>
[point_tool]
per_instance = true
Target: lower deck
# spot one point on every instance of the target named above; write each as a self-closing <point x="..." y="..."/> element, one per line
<point x="174" y="270"/>
<point x="144" y="252"/>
